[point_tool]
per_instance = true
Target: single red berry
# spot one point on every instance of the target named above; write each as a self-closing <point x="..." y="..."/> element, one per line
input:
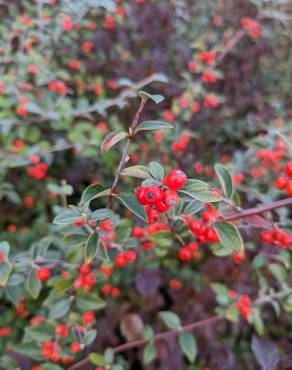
<point x="175" y="284"/>
<point x="115" y="292"/>
<point x="90" y="278"/>
<point x="193" y="246"/>
<point x="289" y="188"/>
<point x="106" y="225"/>
<point x="281" y="183"/>
<point x="153" y="216"/>
<point x="209" y="214"/>
<point x="267" y="237"/>
<point x="197" y="227"/>
<point x="75" y="347"/>
<point x="120" y="260"/>
<point x="84" y="269"/>
<point x="43" y="274"/>
<point x="106" y="289"/>
<point x="79" y="223"/>
<point x="153" y="194"/>
<point x="62" y="330"/>
<point x="211" y="235"/>
<point x="78" y="282"/>
<point x="238" y="257"/>
<point x="130" y="256"/>
<point x="2" y="256"/>
<point x="140" y="194"/>
<point x="288" y="169"/>
<point x="162" y="207"/>
<point x="170" y="197"/>
<point x="175" y="179"/>
<point x="138" y="232"/>
<point x="88" y="317"/>
<point x="184" y="254"/>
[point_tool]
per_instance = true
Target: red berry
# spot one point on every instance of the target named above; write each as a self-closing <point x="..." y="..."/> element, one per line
<point x="43" y="274"/>
<point x="106" y="289"/>
<point x="184" y="254"/>
<point x="211" y="235"/>
<point x="238" y="257"/>
<point x="175" y="284"/>
<point x="130" y="256"/>
<point x="153" y="216"/>
<point x="140" y="194"/>
<point x="197" y="227"/>
<point x="288" y="169"/>
<point x="88" y="317"/>
<point x="90" y="279"/>
<point x="2" y="256"/>
<point x="162" y="207"/>
<point x="289" y="188"/>
<point x="79" y="223"/>
<point x="78" y="282"/>
<point x="281" y="182"/>
<point x="267" y="237"/>
<point x="84" y="269"/>
<point x="193" y="246"/>
<point x="175" y="179"/>
<point x="106" y="225"/>
<point x="75" y="347"/>
<point x="120" y="260"/>
<point x="170" y="197"/>
<point x="153" y="194"/>
<point x="138" y="232"/>
<point x="115" y="292"/>
<point x="62" y="330"/>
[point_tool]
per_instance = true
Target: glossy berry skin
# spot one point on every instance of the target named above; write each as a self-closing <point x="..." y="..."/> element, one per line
<point x="88" y="317"/>
<point x="176" y="179"/>
<point x="43" y="274"/>
<point x="267" y="237"/>
<point x="153" y="194"/>
<point x="288" y="169"/>
<point x="162" y="207"/>
<point x="140" y="194"/>
<point x="211" y="235"/>
<point x="130" y="256"/>
<point x="289" y="188"/>
<point x="75" y="347"/>
<point x="62" y="330"/>
<point x="84" y="269"/>
<point x="170" y="197"/>
<point x="120" y="261"/>
<point x="197" y="227"/>
<point x="184" y="254"/>
<point x="281" y="183"/>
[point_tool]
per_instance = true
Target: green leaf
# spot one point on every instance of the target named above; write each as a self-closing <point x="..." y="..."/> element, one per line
<point x="50" y="367"/>
<point x="232" y="313"/>
<point x="109" y="355"/>
<point x="92" y="192"/>
<point x="257" y="321"/>
<point x="163" y="238"/>
<point x="29" y="349"/>
<point x="62" y="285"/>
<point x="225" y="180"/>
<point x="129" y="200"/>
<point x="220" y="251"/>
<point x="222" y="293"/>
<point x="60" y="309"/>
<point x="91" y="247"/>
<point x="75" y="239"/>
<point x="279" y="272"/>
<point x="188" y="345"/>
<point x="112" y="139"/>
<point x="156" y="170"/>
<point x="67" y="217"/>
<point x="89" y="336"/>
<point x="97" y="359"/>
<point x="229" y="236"/>
<point x="33" y="285"/>
<point x="152" y="125"/>
<point x="5" y="248"/>
<point x="42" y="246"/>
<point x="192" y="207"/>
<point x="149" y="353"/>
<point x="101" y="214"/>
<point x="8" y="363"/>
<point x="138" y="171"/>
<point x="155" y="97"/>
<point x="40" y="332"/>
<point x="170" y="319"/>
<point x="91" y="303"/>
<point x="5" y="270"/>
<point x="199" y="190"/>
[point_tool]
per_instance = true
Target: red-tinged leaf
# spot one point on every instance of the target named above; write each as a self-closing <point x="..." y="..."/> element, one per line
<point x="258" y="221"/>
<point x="112" y="139"/>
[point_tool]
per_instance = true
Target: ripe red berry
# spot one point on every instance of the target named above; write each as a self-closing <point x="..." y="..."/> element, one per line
<point x="289" y="188"/>
<point x="79" y="223"/>
<point x="78" y="282"/>
<point x="211" y="235"/>
<point x="138" y="232"/>
<point x="130" y="256"/>
<point x="2" y="256"/>
<point x="238" y="257"/>
<point x="193" y="246"/>
<point x="115" y="292"/>
<point x="175" y="179"/>
<point x="288" y="169"/>
<point x="120" y="260"/>
<point x="43" y="274"/>
<point x="153" y="194"/>
<point x="244" y="306"/>
<point x="267" y="237"/>
<point x="162" y="207"/>
<point x="106" y="225"/>
<point x="75" y="347"/>
<point x="84" y="269"/>
<point x="184" y="254"/>
<point x="140" y="194"/>
<point x="170" y="197"/>
<point x="197" y="227"/>
<point x="90" y="278"/>
<point x="88" y="317"/>
<point x="62" y="330"/>
<point x="281" y="182"/>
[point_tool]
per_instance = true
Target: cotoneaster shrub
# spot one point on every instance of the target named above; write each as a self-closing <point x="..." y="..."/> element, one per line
<point x="184" y="220"/>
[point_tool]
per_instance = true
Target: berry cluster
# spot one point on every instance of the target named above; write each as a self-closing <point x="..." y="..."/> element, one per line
<point x="283" y="182"/>
<point x="123" y="258"/>
<point x="277" y="237"/>
<point x="244" y="306"/>
<point x="85" y="279"/>
<point x="161" y="198"/>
